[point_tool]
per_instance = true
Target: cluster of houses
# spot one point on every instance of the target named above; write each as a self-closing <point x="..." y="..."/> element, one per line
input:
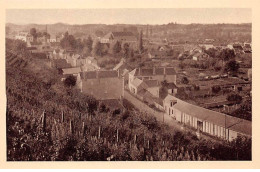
<point x="122" y="37"/>
<point x="144" y="83"/>
<point x="40" y="44"/>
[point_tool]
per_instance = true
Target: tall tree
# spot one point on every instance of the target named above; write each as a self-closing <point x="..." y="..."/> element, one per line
<point x="117" y="47"/>
<point x="68" y="42"/>
<point x="126" y="50"/>
<point x="232" y="66"/>
<point x="33" y="32"/>
<point x="89" y="43"/>
<point x="141" y="42"/>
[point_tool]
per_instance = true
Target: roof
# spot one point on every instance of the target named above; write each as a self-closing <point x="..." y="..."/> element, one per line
<point x="233" y="123"/>
<point x="61" y="63"/>
<point x="170" y="85"/>
<point x="151" y="83"/>
<point x="119" y="65"/>
<point x="153" y="71"/>
<point x="137" y="82"/>
<point x="71" y="70"/>
<point x="76" y="56"/>
<point x="118" y="34"/>
<point x="99" y="74"/>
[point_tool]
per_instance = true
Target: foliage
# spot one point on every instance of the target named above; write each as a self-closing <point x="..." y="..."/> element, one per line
<point x="100" y="49"/>
<point x="117" y="47"/>
<point x="185" y="80"/>
<point x="33" y="32"/>
<point x="141" y="47"/>
<point x="234" y="97"/>
<point x="232" y="66"/>
<point x="216" y="89"/>
<point x="68" y="41"/>
<point x="70" y="81"/>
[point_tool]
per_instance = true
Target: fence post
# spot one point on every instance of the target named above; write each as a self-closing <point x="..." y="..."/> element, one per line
<point x="43" y="120"/>
<point x="71" y="127"/>
<point x="99" y="130"/>
<point x="62" y="116"/>
<point x="116" y="135"/>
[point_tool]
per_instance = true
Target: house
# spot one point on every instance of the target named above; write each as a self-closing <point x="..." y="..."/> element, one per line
<point x="247" y="48"/>
<point x="207" y="121"/>
<point x="102" y="85"/>
<point x="200" y="56"/>
<point x="125" y="37"/>
<point x="24" y="36"/>
<point x="43" y="38"/>
<point x="91" y="62"/>
<point x="73" y="59"/>
<point x="155" y="73"/>
<point x="123" y="68"/>
<point x="206" y="46"/>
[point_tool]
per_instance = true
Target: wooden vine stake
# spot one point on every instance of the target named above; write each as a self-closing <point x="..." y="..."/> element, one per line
<point x="117" y="135"/>
<point x="135" y="139"/>
<point x="43" y="120"/>
<point x="99" y="131"/>
<point x="83" y="128"/>
<point x="71" y="127"/>
<point x="62" y="116"/>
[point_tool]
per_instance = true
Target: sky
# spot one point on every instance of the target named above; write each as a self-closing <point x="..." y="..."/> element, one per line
<point x="129" y="16"/>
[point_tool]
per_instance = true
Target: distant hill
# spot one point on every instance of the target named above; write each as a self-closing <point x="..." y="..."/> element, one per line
<point x="171" y="31"/>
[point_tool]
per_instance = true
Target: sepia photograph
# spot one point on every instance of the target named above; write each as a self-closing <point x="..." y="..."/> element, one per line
<point x="139" y="84"/>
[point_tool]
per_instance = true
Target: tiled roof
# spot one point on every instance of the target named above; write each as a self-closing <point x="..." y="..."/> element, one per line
<point x="117" y="34"/>
<point x="233" y="123"/>
<point x="153" y="71"/>
<point x="61" y="63"/>
<point x="71" y="70"/>
<point x="137" y="82"/>
<point x="151" y="83"/>
<point x="107" y="74"/>
<point x="99" y="74"/>
<point x="171" y="85"/>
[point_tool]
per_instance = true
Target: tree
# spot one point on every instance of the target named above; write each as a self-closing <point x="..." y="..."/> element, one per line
<point x="235" y="97"/>
<point x="232" y="66"/>
<point x="141" y="42"/>
<point x="215" y="89"/>
<point x="126" y="50"/>
<point x="70" y="81"/>
<point x="185" y="80"/>
<point x="33" y="32"/>
<point x="100" y="49"/>
<point x="226" y="55"/>
<point x="68" y="42"/>
<point x="117" y="47"/>
<point x="88" y="44"/>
